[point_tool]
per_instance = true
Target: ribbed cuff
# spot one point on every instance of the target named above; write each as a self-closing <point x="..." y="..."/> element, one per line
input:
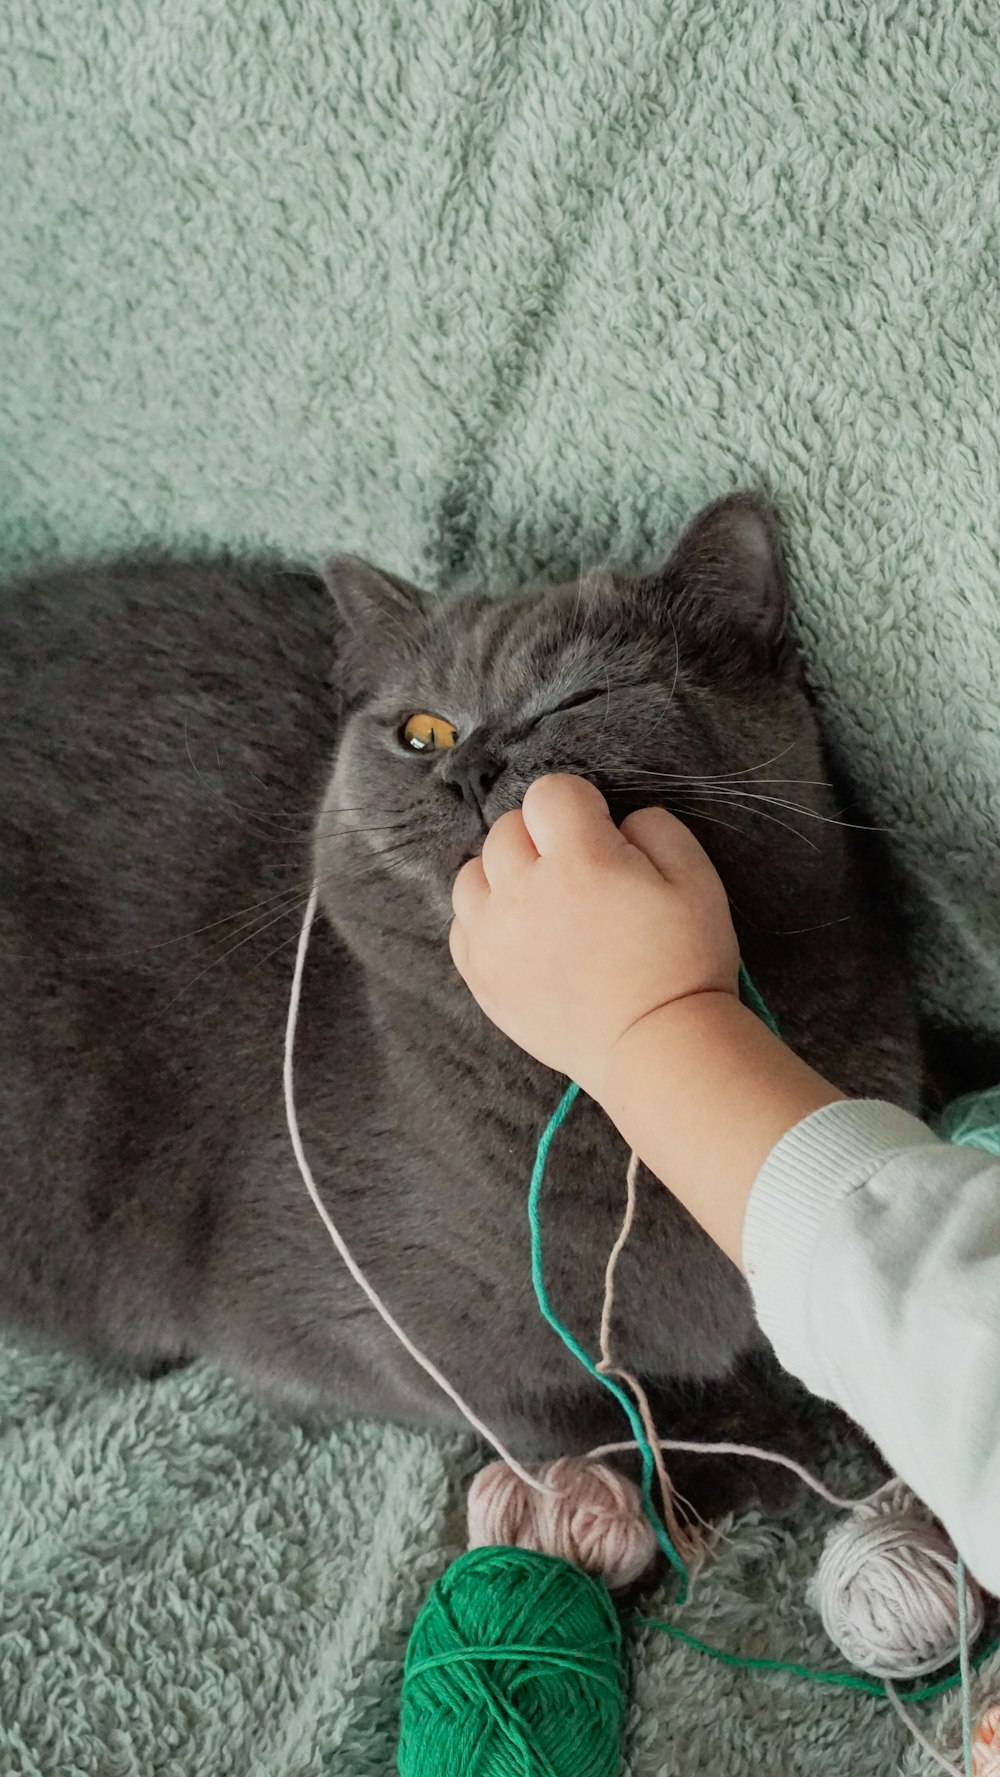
<point x="823" y="1160"/>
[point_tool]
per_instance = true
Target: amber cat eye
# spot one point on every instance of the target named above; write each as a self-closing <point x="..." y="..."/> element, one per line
<point x="425" y="733"/>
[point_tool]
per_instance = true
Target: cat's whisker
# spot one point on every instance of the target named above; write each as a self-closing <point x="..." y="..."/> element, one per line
<point x="723" y="786"/>
<point x="380" y="862"/>
<point x="761" y="813"/>
<point x="187" y="937"/>
<point x="637" y="771"/>
<point x="699" y="814"/>
<point x="345" y="830"/>
<point x="762" y="764"/>
<point x="677" y="664"/>
<point x="811" y="813"/>
<point x="297" y="812"/>
<point x="579" y="600"/>
<point x="718" y="776"/>
<point x="607" y="706"/>
<point x="799" y="931"/>
<point x="261" y="821"/>
<point x="267" y="901"/>
<point x="378" y="827"/>
<point x="296" y="905"/>
<point x="293" y="938"/>
<point x="357" y="808"/>
<point x="295" y="901"/>
<point x="299" y="816"/>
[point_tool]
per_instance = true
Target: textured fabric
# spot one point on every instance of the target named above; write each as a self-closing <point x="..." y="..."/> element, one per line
<point x="873" y="1253"/>
<point x="483" y="287"/>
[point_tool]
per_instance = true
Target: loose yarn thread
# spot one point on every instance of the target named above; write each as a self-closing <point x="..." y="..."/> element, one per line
<point x="691" y="1540"/>
<point x="288" y="1075"/>
<point x="573" y="1345"/>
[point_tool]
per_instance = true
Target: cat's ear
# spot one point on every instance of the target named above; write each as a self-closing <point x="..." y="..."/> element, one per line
<point x="724" y="586"/>
<point x="378" y="609"/>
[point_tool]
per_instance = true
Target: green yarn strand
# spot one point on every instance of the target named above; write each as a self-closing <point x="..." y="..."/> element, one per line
<point x="751" y="998"/>
<point x="555" y="1122"/>
<point x="848" y="1681"/>
<point x="557" y="1119"/>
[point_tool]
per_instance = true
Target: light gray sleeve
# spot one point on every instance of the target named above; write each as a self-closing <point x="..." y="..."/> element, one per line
<point x="873" y="1253"/>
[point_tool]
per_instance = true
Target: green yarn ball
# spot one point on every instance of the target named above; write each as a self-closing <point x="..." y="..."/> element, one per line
<point x="973" y="1121"/>
<point x="514" y="1669"/>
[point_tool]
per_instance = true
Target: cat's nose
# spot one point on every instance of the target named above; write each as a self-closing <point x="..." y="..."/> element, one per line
<point x="471" y="769"/>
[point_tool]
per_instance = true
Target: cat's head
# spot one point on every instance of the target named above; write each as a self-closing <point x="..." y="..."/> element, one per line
<point x="679" y="687"/>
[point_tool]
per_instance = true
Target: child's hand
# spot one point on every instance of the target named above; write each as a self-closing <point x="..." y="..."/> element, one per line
<point x="569" y="931"/>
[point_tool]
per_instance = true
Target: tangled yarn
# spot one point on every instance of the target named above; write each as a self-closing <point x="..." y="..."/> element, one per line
<point x="593" y="1517"/>
<point x="514" y="1665"/>
<point x="887" y="1588"/>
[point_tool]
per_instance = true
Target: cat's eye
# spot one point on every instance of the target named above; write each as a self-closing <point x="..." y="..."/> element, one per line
<point x="424" y="733"/>
<point x="577" y="702"/>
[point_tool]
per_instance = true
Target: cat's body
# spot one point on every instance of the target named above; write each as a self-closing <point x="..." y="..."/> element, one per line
<point x="166" y="736"/>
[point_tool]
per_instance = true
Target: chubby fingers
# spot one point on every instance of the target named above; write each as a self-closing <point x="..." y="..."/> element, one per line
<point x="509" y="847"/>
<point x="507" y="851"/>
<point x="670" y="846"/>
<point x="458" y="944"/>
<point x="567" y="813"/>
<point x="470" y="890"/>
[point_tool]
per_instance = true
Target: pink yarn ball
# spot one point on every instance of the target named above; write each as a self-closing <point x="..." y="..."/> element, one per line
<point x="986" y="1744"/>
<point x="595" y="1519"/>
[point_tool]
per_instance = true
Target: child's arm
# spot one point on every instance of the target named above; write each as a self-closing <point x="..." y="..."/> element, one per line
<point x="704" y="1091"/>
<point x="611" y="956"/>
<point x="871" y="1248"/>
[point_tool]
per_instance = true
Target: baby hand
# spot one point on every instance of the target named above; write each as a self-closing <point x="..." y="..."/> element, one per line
<point x="569" y="930"/>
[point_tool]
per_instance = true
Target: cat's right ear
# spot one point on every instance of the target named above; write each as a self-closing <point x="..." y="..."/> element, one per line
<point x="381" y="612"/>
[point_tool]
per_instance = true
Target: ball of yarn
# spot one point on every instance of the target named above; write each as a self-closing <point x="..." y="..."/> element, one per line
<point x="986" y="1744"/>
<point x="887" y="1588"/>
<point x="595" y="1519"/>
<point x="514" y="1665"/>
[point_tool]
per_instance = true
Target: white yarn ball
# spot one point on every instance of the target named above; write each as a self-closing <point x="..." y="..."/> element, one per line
<point x="887" y="1588"/>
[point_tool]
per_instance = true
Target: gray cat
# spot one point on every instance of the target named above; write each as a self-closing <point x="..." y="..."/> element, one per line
<point x="184" y="745"/>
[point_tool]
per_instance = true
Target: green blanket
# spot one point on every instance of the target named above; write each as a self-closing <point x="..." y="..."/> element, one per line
<point x="482" y="287"/>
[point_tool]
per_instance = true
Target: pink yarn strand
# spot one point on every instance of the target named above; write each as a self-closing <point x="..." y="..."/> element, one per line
<point x="608" y="1305"/>
<point x="353" y="1267"/>
<point x="685" y="1539"/>
<point x="928" y="1746"/>
<point x="726" y="1449"/>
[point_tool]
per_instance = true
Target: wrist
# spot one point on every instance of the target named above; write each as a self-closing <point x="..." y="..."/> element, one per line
<point x="704" y="1091"/>
<point x="657" y="1033"/>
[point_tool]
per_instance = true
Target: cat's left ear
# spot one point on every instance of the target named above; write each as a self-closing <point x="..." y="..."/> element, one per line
<point x="724" y="585"/>
<point x="379" y="609"/>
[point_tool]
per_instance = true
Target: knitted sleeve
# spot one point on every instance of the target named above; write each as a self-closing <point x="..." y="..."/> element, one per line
<point x="873" y="1253"/>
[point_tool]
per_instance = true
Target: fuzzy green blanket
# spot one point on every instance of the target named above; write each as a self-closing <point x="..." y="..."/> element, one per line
<point x="480" y="287"/>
